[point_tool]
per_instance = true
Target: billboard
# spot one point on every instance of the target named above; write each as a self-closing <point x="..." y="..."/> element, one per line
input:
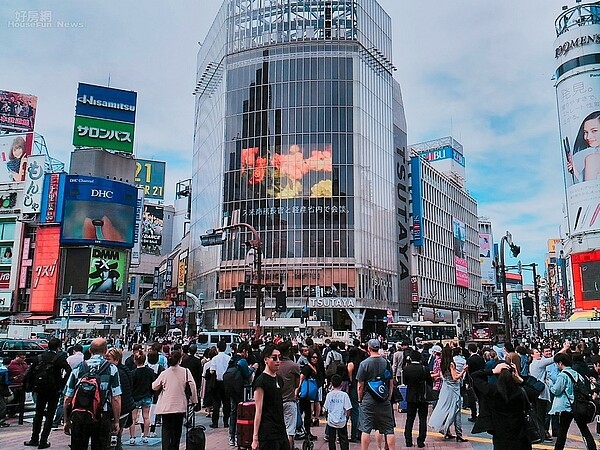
<point x="586" y="279"/>
<point x="107" y="270"/>
<point x="45" y="269"/>
<point x="459" y="232"/>
<point x="150" y="176"/>
<point x="17" y="112"/>
<point x="577" y="93"/>
<point x="105" y="118"/>
<point x="98" y="211"/>
<point x="14" y="151"/>
<point x="52" y="205"/>
<point x="486" y="258"/>
<point x="152" y="229"/>
<point x="137" y="232"/>
<point x="417" y="201"/>
<point x="34" y="184"/>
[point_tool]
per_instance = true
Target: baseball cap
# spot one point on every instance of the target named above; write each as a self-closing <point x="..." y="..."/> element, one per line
<point x="374" y="344"/>
<point x="435" y="349"/>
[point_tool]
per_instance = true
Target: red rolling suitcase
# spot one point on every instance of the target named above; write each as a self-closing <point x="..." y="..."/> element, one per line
<point x="245" y="423"/>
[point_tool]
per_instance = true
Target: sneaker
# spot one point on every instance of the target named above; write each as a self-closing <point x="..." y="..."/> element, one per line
<point x="144" y="440"/>
<point x="132" y="441"/>
<point x="44" y="445"/>
<point x="31" y="443"/>
<point x="152" y="434"/>
<point x="231" y="442"/>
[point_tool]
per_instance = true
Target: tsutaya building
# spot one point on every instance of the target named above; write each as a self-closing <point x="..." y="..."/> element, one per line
<point x="300" y="132"/>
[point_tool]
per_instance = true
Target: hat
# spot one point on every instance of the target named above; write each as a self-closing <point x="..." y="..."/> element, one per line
<point x="374" y="344"/>
<point x="435" y="349"/>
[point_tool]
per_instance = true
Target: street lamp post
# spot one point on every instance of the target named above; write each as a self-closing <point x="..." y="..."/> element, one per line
<point x="515" y="250"/>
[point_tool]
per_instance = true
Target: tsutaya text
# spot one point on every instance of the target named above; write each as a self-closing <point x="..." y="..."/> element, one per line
<point x="340" y="302"/>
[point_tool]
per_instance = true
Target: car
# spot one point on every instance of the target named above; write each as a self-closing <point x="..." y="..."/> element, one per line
<point x="9" y="348"/>
<point x="41" y="342"/>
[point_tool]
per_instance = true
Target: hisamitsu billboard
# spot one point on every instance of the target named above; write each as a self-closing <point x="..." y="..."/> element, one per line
<point x="106" y="103"/>
<point x="98" y="211"/>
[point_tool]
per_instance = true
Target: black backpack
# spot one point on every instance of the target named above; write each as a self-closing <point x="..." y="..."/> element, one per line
<point x="233" y="381"/>
<point x="45" y="375"/>
<point x="583" y="406"/>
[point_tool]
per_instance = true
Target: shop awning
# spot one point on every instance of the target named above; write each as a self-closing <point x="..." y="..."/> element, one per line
<point x="45" y="317"/>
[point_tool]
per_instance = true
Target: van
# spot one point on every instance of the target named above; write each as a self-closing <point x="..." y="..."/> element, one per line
<point x="174" y="335"/>
<point x="208" y="339"/>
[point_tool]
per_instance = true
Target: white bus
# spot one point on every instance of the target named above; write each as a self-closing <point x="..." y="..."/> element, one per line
<point x="421" y="332"/>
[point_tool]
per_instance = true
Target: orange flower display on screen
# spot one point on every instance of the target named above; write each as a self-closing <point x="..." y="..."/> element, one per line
<point x="249" y="158"/>
<point x="320" y="160"/>
<point x="293" y="165"/>
<point x="259" y="172"/>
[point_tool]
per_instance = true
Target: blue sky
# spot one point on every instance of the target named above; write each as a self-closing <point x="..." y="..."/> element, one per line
<point x="480" y="71"/>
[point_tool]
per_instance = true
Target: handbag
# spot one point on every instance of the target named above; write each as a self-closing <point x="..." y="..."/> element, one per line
<point x="430" y="394"/>
<point x="533" y="425"/>
<point x="309" y="389"/>
<point x="188" y="388"/>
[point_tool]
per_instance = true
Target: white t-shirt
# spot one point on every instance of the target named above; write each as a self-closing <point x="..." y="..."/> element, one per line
<point x="336" y="404"/>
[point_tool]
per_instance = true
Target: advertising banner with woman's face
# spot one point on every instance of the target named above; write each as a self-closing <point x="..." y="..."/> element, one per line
<point x="578" y="98"/>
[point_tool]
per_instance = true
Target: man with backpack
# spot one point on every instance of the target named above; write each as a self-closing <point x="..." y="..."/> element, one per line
<point x="333" y="360"/>
<point x="46" y="377"/>
<point x="93" y="400"/>
<point x="570" y="389"/>
<point x="235" y="378"/>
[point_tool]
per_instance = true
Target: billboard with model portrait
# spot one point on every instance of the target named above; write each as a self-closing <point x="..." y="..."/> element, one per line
<point x="152" y="229"/>
<point x="107" y="271"/>
<point x="459" y="231"/>
<point x="488" y="273"/>
<point x="14" y="151"/>
<point x="578" y="99"/>
<point x="98" y="211"/>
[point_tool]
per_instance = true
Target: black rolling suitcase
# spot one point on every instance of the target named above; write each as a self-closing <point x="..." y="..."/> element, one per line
<point x="195" y="439"/>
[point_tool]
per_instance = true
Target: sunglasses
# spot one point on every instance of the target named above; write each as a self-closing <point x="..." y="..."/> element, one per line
<point x="275" y="357"/>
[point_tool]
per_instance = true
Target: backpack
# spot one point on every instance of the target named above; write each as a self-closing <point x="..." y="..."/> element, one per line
<point x="44" y="375"/>
<point x="379" y="386"/>
<point x="87" y="403"/>
<point x="582" y="406"/>
<point x="332" y="368"/>
<point x="233" y="381"/>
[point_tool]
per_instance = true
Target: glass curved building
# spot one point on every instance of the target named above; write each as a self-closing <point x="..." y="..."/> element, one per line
<point x="300" y="132"/>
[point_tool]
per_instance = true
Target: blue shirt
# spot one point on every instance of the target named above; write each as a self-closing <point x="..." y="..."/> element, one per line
<point x="108" y="384"/>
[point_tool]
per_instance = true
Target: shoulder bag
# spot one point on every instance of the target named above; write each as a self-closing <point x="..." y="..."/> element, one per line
<point x="533" y="425"/>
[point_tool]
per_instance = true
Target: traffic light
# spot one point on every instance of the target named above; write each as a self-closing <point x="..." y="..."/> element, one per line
<point x="527" y="306"/>
<point x="280" y="302"/>
<point x="240" y="300"/>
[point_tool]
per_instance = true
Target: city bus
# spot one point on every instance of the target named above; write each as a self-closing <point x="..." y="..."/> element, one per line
<point x="418" y="333"/>
<point x="488" y="332"/>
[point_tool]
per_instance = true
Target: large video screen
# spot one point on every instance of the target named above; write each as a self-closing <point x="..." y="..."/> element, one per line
<point x="298" y="171"/>
<point x="98" y="211"/>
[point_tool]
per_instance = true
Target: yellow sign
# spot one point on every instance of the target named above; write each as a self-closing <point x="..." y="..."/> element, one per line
<point x="160" y="304"/>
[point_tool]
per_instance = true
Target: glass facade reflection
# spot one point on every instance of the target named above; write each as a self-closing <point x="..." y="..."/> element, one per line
<point x="297" y="125"/>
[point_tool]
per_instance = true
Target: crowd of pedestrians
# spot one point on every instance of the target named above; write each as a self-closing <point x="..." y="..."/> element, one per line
<point x="293" y="384"/>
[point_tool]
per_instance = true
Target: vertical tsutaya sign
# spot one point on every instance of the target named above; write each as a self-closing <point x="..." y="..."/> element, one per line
<point x="488" y="274"/>
<point x="34" y="184"/>
<point x="104" y="117"/>
<point x="45" y="273"/>
<point x="137" y="237"/>
<point x="107" y="270"/>
<point x="459" y="231"/>
<point x="150" y="176"/>
<point x="577" y="92"/>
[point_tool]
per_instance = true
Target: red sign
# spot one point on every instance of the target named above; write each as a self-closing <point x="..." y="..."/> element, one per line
<point x="586" y="273"/>
<point x="5" y="280"/>
<point x="45" y="274"/>
<point x="414" y="289"/>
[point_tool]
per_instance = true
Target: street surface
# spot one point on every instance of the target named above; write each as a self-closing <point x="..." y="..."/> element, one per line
<point x="14" y="436"/>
